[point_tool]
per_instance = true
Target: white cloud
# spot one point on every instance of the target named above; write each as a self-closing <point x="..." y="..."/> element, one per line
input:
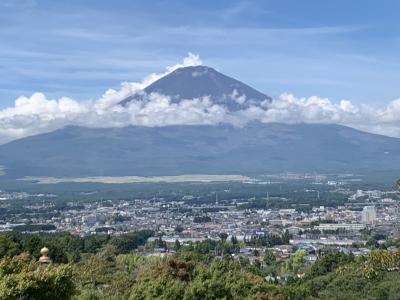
<point x="240" y="99"/>
<point x="190" y="60"/>
<point x="290" y="109"/>
<point x="37" y="114"/>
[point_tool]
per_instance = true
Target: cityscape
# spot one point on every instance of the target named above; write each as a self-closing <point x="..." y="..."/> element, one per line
<point x="350" y="226"/>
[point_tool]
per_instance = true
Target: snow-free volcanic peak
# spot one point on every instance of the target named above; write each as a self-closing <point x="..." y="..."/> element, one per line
<point x="201" y="81"/>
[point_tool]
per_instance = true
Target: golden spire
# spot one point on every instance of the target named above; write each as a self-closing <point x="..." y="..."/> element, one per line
<point x="44" y="259"/>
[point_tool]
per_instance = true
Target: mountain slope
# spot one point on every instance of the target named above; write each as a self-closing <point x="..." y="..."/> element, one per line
<point x="171" y="150"/>
<point x="201" y="81"/>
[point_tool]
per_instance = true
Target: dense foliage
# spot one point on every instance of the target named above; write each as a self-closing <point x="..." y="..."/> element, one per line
<point x="191" y="277"/>
<point x="34" y="227"/>
<point x="22" y="278"/>
<point x="65" y="247"/>
<point x="106" y="268"/>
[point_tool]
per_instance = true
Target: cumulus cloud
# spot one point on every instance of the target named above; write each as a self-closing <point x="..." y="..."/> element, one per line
<point x="383" y="120"/>
<point x="240" y="99"/>
<point x="38" y="114"/>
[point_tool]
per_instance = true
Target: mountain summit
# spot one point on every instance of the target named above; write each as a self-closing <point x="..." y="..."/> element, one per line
<point x="201" y="81"/>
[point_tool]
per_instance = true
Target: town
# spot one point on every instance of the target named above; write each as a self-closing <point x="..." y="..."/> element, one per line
<point x="358" y="222"/>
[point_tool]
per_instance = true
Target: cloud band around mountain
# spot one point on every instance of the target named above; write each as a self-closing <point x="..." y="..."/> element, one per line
<point x="37" y="114"/>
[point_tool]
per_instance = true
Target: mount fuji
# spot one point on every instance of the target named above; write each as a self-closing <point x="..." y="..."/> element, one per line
<point x="256" y="148"/>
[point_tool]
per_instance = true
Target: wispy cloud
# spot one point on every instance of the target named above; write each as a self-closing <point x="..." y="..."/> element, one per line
<point x="88" y="34"/>
<point x="242" y="8"/>
<point x="18" y="4"/>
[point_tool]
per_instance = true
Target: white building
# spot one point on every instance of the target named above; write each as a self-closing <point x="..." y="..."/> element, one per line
<point x="368" y="215"/>
<point x="359" y="193"/>
<point x="342" y="226"/>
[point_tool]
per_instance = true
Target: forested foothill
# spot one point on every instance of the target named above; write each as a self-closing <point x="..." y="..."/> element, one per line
<point x="105" y="267"/>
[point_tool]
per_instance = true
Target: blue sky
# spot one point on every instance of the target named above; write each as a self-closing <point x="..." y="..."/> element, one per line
<point x="336" y="49"/>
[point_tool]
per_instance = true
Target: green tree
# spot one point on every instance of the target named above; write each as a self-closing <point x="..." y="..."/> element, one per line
<point x="21" y="278"/>
<point x="193" y="277"/>
<point x="8" y="246"/>
<point x="295" y="261"/>
<point x="223" y="236"/>
<point x="177" y="245"/>
<point x="269" y="257"/>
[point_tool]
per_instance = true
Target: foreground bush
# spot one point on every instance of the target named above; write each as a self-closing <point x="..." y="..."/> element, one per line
<point x="21" y="278"/>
